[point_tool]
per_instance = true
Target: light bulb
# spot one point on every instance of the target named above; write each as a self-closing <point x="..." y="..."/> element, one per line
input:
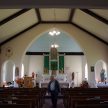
<point x="52" y="46"/>
<point x="56" y="46"/>
<point x="57" y="33"/>
<point x="54" y="32"/>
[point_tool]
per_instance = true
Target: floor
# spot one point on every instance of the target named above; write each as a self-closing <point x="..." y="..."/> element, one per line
<point x="48" y="104"/>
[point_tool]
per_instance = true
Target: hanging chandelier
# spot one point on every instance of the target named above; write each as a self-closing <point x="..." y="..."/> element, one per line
<point x="55" y="45"/>
<point x="54" y="32"/>
<point x="53" y="51"/>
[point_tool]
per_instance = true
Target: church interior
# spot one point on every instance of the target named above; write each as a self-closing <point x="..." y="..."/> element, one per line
<point x="70" y="44"/>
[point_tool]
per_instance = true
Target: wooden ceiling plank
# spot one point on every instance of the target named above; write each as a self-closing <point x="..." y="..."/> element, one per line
<point x="18" y="34"/>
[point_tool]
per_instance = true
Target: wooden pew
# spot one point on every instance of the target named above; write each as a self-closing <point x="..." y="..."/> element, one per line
<point x="93" y="106"/>
<point x="70" y="94"/>
<point x="15" y="106"/>
<point x="92" y="102"/>
<point x="36" y="93"/>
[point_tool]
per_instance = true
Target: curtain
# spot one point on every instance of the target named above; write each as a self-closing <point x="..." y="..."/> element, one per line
<point x="61" y="64"/>
<point x="46" y="64"/>
<point x="54" y="65"/>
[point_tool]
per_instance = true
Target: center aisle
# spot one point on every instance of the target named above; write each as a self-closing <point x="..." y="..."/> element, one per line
<point x="48" y="103"/>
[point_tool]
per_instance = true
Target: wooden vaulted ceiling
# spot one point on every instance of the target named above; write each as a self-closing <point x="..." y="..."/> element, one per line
<point x="14" y="22"/>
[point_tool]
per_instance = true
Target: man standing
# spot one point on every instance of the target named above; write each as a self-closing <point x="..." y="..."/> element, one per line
<point x="54" y="89"/>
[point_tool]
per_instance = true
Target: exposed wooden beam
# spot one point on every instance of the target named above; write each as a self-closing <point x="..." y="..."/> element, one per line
<point x="91" y="34"/>
<point x="45" y="22"/>
<point x="71" y="14"/>
<point x="48" y="22"/>
<point x="12" y="37"/>
<point x="0" y="50"/>
<point x="66" y="53"/>
<point x="95" y="16"/>
<point x="13" y="16"/>
<point x="38" y="14"/>
<point x="18" y="34"/>
<point x="54" y="4"/>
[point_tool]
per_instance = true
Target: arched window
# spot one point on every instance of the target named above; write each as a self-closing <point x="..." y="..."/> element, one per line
<point x="86" y="71"/>
<point x="22" y="70"/>
<point x="13" y="72"/>
<point x="8" y="71"/>
<point x="100" y="64"/>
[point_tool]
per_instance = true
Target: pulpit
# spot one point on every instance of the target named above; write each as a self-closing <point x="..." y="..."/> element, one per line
<point x="28" y="83"/>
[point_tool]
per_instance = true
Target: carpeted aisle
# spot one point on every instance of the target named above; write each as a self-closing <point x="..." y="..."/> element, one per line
<point x="48" y="104"/>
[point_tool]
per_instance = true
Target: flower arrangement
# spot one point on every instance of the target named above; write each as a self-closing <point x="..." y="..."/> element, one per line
<point x="20" y="81"/>
<point x="84" y="84"/>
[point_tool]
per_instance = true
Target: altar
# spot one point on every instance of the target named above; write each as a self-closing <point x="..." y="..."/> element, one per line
<point x="61" y="78"/>
<point x="102" y="85"/>
<point x="63" y="84"/>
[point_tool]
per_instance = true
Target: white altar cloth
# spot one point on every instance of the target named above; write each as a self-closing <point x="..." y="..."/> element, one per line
<point x="102" y="85"/>
<point x="63" y="84"/>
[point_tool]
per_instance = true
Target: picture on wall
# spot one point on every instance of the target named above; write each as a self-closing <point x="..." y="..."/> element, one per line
<point x="92" y="68"/>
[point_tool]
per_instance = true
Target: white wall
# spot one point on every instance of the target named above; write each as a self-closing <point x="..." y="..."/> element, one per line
<point x="84" y="62"/>
<point x="26" y="64"/>
<point x="34" y="63"/>
<point x="93" y="48"/>
<point x="73" y="63"/>
<point x="8" y="71"/>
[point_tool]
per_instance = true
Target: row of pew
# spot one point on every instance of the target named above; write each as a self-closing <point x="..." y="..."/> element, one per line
<point x="22" y="97"/>
<point x="85" y="97"/>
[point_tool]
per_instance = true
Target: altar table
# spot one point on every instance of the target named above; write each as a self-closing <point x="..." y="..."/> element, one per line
<point x="63" y="84"/>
